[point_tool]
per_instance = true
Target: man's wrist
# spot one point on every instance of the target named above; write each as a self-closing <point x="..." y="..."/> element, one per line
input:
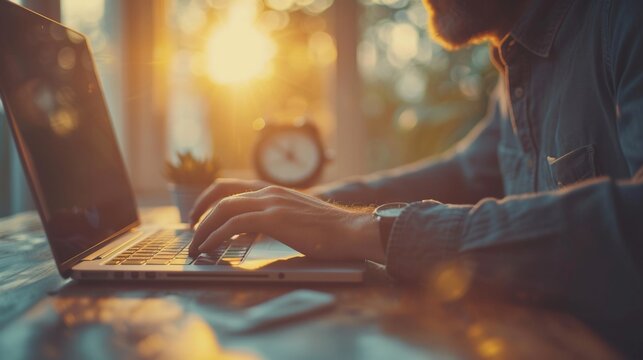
<point x="386" y="214"/>
<point x="367" y="244"/>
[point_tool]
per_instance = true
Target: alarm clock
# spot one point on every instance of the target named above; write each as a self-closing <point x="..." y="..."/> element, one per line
<point x="289" y="155"/>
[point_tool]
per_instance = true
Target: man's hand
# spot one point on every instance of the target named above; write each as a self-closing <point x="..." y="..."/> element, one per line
<point x="220" y="189"/>
<point x="305" y="223"/>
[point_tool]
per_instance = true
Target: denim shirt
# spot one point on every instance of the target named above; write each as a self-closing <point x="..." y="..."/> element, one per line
<point x="541" y="201"/>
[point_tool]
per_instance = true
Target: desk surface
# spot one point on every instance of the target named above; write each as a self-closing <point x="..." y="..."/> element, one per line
<point x="44" y="317"/>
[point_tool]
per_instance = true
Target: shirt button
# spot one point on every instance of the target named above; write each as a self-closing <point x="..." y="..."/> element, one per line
<point x="519" y="92"/>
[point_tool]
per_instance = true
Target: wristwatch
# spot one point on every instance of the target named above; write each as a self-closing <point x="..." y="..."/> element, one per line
<point x="385" y="216"/>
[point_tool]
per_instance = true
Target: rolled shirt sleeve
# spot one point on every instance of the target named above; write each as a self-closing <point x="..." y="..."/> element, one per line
<point x="579" y="247"/>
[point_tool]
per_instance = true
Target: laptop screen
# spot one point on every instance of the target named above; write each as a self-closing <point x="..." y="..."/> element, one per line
<point x="56" y="108"/>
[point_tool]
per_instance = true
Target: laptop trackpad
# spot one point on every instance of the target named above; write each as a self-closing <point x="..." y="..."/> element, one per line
<point x="265" y="248"/>
<point x="270" y="254"/>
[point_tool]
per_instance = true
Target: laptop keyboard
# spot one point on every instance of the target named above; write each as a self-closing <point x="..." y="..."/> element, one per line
<point x="230" y="252"/>
<point x="170" y="247"/>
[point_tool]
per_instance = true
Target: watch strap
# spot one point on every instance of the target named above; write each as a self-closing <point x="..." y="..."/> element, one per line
<point x="386" y="226"/>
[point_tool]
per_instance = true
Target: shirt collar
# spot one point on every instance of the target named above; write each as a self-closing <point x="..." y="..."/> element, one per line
<point x="537" y="28"/>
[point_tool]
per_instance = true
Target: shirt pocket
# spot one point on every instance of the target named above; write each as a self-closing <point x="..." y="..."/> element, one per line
<point x="577" y="165"/>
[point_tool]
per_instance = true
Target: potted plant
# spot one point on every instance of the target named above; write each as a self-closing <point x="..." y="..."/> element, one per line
<point x="187" y="178"/>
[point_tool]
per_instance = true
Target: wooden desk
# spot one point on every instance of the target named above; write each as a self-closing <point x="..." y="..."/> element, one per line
<point x="46" y="317"/>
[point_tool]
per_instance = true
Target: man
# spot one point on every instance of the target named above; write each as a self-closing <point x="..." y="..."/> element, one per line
<point x="544" y="199"/>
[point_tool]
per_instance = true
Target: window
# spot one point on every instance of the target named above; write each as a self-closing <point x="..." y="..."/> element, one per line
<point x="236" y="64"/>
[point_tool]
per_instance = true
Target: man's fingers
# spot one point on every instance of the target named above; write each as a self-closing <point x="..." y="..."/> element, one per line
<point x="227" y="208"/>
<point x="218" y="190"/>
<point x="204" y="201"/>
<point x="244" y="223"/>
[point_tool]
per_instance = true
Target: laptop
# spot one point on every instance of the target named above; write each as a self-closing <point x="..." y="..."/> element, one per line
<point x="62" y="128"/>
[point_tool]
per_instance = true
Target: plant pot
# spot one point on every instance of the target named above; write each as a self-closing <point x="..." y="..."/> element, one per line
<point x="184" y="197"/>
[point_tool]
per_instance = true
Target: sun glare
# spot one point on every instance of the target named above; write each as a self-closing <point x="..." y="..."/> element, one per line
<point x="237" y="51"/>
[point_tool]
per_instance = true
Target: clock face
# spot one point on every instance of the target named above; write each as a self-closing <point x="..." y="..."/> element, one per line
<point x="290" y="157"/>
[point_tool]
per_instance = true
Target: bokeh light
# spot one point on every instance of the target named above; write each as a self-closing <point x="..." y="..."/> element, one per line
<point x="67" y="58"/>
<point x="258" y="124"/>
<point x="272" y="20"/>
<point x="321" y="48"/>
<point x="404" y="43"/>
<point x="411" y="86"/>
<point x="280" y="5"/>
<point x="408" y="119"/>
<point x="450" y="281"/>
<point x="491" y="348"/>
<point x="64" y="121"/>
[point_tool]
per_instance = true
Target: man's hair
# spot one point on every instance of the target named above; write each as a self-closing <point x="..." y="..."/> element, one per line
<point x="458" y="23"/>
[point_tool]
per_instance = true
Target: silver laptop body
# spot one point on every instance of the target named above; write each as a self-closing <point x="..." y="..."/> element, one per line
<point x="62" y="128"/>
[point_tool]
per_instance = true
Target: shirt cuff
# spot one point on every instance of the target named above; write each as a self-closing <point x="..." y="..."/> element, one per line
<point x="424" y="234"/>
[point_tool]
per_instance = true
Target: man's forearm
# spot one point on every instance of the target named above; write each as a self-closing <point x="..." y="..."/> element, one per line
<point x="463" y="175"/>
<point x="439" y="178"/>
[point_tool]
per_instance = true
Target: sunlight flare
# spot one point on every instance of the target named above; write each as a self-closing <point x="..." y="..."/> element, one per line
<point x="237" y="51"/>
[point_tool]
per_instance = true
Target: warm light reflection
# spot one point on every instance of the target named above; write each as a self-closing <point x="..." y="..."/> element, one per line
<point x="64" y="121"/>
<point x="485" y="344"/>
<point x="237" y="51"/>
<point x="450" y="281"/>
<point x="491" y="348"/>
<point x="256" y="264"/>
<point x="150" y="328"/>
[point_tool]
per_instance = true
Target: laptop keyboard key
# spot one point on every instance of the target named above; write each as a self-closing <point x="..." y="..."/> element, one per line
<point x="133" y="262"/>
<point x="157" y="262"/>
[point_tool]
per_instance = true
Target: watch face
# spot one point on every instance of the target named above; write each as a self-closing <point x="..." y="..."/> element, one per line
<point x="289" y="157"/>
<point x="391" y="210"/>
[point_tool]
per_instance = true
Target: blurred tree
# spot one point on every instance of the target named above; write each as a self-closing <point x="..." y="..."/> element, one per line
<point x="418" y="99"/>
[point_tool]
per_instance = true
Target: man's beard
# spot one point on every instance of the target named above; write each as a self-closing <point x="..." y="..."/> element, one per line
<point x="457" y="23"/>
